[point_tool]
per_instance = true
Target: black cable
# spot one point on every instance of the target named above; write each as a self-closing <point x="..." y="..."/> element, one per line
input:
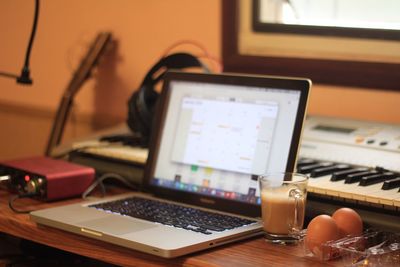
<point x="15" y="197"/>
<point x="33" y="33"/>
<point x="100" y="180"/>
<point x="24" y="77"/>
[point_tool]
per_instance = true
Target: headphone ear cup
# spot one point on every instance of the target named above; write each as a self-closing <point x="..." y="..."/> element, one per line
<point x="132" y="119"/>
<point x="141" y="108"/>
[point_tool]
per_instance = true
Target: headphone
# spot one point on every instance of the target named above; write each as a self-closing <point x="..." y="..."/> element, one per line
<point x="142" y="103"/>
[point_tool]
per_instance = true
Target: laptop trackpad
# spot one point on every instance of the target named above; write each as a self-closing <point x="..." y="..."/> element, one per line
<point x="116" y="225"/>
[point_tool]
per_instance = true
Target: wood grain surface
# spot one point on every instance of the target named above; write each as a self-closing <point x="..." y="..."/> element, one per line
<point x="251" y="252"/>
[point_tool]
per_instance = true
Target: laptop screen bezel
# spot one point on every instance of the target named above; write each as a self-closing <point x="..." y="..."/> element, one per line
<point x="285" y="83"/>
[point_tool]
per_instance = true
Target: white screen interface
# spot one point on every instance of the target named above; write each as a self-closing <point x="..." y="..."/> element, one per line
<point x="218" y="138"/>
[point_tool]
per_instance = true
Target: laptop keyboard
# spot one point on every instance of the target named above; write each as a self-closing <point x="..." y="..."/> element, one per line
<point x="174" y="215"/>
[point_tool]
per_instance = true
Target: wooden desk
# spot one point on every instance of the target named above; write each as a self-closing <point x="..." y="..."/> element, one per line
<point x="252" y="252"/>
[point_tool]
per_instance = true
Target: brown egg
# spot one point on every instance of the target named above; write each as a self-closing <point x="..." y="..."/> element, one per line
<point x="320" y="230"/>
<point x="348" y="221"/>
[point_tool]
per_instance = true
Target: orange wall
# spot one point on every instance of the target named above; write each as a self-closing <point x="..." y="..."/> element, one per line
<point x="143" y="30"/>
<point x="356" y="103"/>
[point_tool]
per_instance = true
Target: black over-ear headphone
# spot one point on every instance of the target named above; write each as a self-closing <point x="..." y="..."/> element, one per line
<point x="141" y="105"/>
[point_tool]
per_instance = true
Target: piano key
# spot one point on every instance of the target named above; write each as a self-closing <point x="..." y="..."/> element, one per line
<point x="352" y="191"/>
<point x="324" y="186"/>
<point x="397" y="202"/>
<point x="310" y="168"/>
<point x="384" y="197"/>
<point x="377" y="178"/>
<point x="390" y="184"/>
<point x="317" y="185"/>
<point x="381" y="169"/>
<point x="347" y="190"/>
<point x="372" y="194"/>
<point x="305" y="161"/>
<point x="328" y="170"/>
<point x="132" y="154"/>
<point x="340" y="175"/>
<point x="356" y="177"/>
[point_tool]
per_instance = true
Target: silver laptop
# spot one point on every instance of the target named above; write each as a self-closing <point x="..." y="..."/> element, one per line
<point x="212" y="136"/>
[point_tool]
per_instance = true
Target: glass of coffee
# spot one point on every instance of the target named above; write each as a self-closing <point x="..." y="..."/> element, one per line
<point x="283" y="201"/>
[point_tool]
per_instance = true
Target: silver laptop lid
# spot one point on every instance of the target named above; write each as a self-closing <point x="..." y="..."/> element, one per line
<point x="215" y="133"/>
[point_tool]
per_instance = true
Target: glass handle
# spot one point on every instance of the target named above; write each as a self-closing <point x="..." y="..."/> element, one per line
<point x="297" y="195"/>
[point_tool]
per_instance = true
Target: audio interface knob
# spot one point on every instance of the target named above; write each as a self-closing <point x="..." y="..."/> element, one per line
<point x="31" y="187"/>
<point x="34" y="186"/>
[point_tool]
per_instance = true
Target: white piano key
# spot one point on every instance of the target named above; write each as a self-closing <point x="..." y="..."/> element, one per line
<point x="396" y="202"/>
<point x="370" y="194"/>
<point x="134" y="154"/>
<point x="352" y="191"/>
<point x="375" y="194"/>
<point x="386" y="197"/>
<point x="323" y="185"/>
<point x="335" y="188"/>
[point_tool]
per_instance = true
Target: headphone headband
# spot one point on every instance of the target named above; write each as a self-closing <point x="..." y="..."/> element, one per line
<point x="142" y="103"/>
<point x="173" y="61"/>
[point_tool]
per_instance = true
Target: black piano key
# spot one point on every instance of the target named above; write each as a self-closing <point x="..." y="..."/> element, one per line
<point x="377" y="178"/>
<point x="356" y="177"/>
<point x="381" y="169"/>
<point x="328" y="170"/>
<point x="304" y="162"/>
<point x="391" y="184"/>
<point x="310" y="168"/>
<point x="341" y="175"/>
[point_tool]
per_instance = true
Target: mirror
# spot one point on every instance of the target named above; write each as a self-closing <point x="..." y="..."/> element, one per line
<point x="369" y="14"/>
<point x="336" y="55"/>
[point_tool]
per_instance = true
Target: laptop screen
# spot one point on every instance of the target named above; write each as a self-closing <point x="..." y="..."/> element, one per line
<point x="217" y="133"/>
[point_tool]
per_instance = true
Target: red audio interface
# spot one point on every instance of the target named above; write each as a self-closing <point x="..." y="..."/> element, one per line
<point x="47" y="178"/>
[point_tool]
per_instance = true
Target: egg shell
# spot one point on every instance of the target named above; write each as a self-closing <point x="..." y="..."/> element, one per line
<point x="320" y="230"/>
<point x="348" y="222"/>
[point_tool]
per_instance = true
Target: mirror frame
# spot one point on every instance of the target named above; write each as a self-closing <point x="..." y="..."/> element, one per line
<point x="363" y="74"/>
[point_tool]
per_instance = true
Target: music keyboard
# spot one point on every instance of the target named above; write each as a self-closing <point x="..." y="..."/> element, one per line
<point x="349" y="162"/>
<point x="368" y="154"/>
<point x="352" y="183"/>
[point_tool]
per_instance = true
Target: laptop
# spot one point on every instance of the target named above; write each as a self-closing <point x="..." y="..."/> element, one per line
<point x="212" y="136"/>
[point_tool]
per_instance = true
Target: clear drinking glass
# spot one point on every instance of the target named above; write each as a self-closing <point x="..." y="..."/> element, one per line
<point x="283" y="201"/>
